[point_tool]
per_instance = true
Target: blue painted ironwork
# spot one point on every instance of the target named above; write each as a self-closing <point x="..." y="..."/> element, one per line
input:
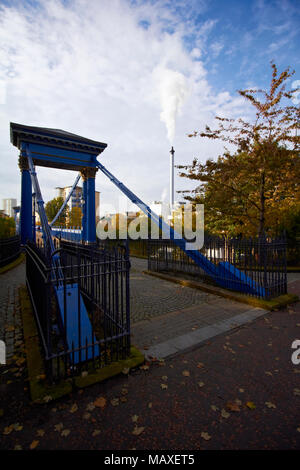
<point x="90" y="211"/>
<point x="84" y="210"/>
<point x="71" y="234"/>
<point x="258" y="261"/>
<point x="70" y="303"/>
<point x="223" y="273"/>
<point x="101" y="277"/>
<point x="26" y="207"/>
<point x="65" y="201"/>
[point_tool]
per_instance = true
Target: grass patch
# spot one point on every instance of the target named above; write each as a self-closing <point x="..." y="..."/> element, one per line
<point x="115" y="368"/>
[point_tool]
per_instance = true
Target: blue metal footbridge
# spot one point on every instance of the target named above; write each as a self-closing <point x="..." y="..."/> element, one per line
<point x="224" y="274"/>
<point x="59" y="149"/>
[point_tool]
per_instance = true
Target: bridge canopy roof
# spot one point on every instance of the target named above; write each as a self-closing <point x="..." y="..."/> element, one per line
<point x="55" y="147"/>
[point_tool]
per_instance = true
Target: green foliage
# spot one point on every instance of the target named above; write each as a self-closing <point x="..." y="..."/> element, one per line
<point x="291" y="225"/>
<point x="75" y="216"/>
<point x="256" y="188"/>
<point x="7" y="227"/>
<point x="51" y="209"/>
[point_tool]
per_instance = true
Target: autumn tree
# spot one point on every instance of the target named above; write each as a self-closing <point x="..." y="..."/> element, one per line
<point x="7" y="227"/>
<point x="75" y="216"/>
<point x="52" y="207"/>
<point x="254" y="188"/>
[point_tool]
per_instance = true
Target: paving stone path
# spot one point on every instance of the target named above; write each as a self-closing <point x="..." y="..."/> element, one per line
<point x="10" y="318"/>
<point x="161" y="310"/>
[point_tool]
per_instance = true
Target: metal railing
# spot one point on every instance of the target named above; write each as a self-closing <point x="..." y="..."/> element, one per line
<point x="9" y="250"/>
<point x="99" y="282"/>
<point x="259" y="262"/>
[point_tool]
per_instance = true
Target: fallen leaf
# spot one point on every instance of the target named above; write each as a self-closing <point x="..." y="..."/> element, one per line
<point x="250" y="405"/>
<point x="84" y="373"/>
<point x="200" y="365"/>
<point x="232" y="406"/>
<point x="241" y="390"/>
<point x="96" y="432"/>
<point x="164" y="378"/>
<point x="205" y="436"/>
<point x="8" y="430"/>
<point x="150" y="405"/>
<point x="40" y="432"/>
<point x="144" y="367"/>
<point x="18" y="447"/>
<point x="90" y="407"/>
<point x="114" y="401"/>
<point x="270" y="405"/>
<point x="164" y="386"/>
<point x="65" y="432"/>
<point x="201" y="384"/>
<point x="134" y="418"/>
<point x="224" y="414"/>
<point x="17" y="427"/>
<point x="214" y="408"/>
<point x="59" y="427"/>
<point x="125" y="370"/>
<point x="297" y="391"/>
<point x="100" y="402"/>
<point x="74" y="408"/>
<point x="186" y="373"/>
<point x="138" y="430"/>
<point x="33" y="445"/>
<point x="123" y="399"/>
<point x="86" y="415"/>
<point x="124" y="391"/>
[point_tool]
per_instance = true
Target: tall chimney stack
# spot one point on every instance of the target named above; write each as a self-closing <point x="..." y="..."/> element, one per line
<point x="172" y="151"/>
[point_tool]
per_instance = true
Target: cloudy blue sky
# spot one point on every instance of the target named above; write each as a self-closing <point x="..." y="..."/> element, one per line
<point x="119" y="71"/>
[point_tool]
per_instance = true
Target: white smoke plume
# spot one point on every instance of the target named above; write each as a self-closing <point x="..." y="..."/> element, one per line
<point x="173" y="91"/>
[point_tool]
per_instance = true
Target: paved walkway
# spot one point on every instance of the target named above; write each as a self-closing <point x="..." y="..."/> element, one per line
<point x="240" y="390"/>
<point x="174" y="317"/>
<point x="10" y="320"/>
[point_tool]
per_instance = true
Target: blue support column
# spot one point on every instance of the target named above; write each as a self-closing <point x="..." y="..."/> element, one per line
<point x="91" y="206"/>
<point x="26" y="201"/>
<point x="84" y="207"/>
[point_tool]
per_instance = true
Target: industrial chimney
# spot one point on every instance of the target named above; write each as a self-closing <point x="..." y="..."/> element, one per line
<point x="172" y="151"/>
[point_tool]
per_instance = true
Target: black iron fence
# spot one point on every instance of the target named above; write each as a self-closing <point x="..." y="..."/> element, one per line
<point x="255" y="266"/>
<point x="81" y="305"/>
<point x="293" y="253"/>
<point x="9" y="250"/>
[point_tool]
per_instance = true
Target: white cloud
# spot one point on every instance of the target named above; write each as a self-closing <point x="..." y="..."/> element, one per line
<point x="216" y="48"/>
<point x="87" y="67"/>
